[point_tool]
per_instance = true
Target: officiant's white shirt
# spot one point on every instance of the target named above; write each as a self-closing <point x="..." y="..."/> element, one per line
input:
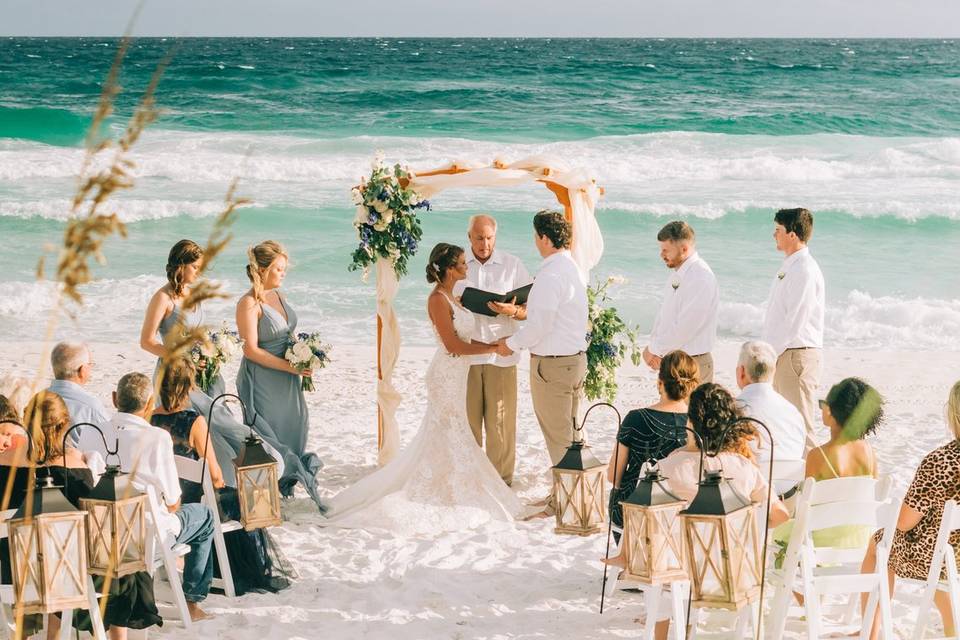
<point x="796" y="304"/>
<point x="687" y="318"/>
<point x="501" y="273"/>
<point x="556" y="323"/>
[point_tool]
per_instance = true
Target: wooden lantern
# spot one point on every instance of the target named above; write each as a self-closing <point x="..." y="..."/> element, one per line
<point x="116" y="527"/>
<point x="725" y="559"/>
<point x="579" y="482"/>
<point x="257" y="485"/>
<point x="653" y="546"/>
<point x="48" y="552"/>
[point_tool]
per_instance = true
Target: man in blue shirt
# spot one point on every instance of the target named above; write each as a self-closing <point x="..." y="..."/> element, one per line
<point x="72" y="370"/>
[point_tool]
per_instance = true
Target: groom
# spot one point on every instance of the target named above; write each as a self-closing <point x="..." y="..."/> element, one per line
<point x="555" y="333"/>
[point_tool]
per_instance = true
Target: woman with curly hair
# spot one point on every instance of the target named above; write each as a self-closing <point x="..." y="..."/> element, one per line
<point x="711" y="410"/>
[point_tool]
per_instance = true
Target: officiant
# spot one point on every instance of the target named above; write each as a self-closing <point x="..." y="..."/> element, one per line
<point x="492" y="382"/>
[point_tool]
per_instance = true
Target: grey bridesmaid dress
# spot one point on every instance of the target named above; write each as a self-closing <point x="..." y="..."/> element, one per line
<point x="276" y="399"/>
<point x="226" y="432"/>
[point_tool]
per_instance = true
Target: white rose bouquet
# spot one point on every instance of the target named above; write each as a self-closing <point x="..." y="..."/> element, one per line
<point x="305" y="352"/>
<point x="209" y="356"/>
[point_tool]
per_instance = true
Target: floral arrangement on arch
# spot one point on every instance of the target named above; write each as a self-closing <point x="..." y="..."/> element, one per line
<point x="609" y="340"/>
<point x="386" y="219"/>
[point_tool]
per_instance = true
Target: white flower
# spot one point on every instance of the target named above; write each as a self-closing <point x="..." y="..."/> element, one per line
<point x="362" y="215"/>
<point x="378" y="158"/>
<point x="302" y="352"/>
<point x="208" y="350"/>
<point x="380" y="206"/>
<point x="388" y="215"/>
<point x="381" y="225"/>
<point x="616" y="280"/>
<point x="781" y="275"/>
<point x="356" y="195"/>
<point x="675" y="284"/>
<point x="316" y="363"/>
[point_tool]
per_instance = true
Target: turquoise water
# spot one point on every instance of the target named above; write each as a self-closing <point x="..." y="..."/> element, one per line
<point x="721" y="133"/>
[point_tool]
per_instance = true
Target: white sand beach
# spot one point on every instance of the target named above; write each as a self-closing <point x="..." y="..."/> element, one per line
<point x="500" y="581"/>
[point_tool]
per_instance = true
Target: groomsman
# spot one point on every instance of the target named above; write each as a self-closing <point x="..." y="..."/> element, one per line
<point x="688" y="316"/>
<point x="492" y="383"/>
<point x="555" y="333"/>
<point x="795" y="309"/>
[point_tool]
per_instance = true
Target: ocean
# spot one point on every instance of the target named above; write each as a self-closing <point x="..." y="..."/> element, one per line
<point x="721" y="133"/>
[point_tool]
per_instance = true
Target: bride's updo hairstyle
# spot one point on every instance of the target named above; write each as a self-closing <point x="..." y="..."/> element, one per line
<point x="183" y="253"/>
<point x="679" y="374"/>
<point x="260" y="258"/>
<point x="443" y="258"/>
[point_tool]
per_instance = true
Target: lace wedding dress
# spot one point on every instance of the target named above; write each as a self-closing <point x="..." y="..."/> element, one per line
<point x="442" y="480"/>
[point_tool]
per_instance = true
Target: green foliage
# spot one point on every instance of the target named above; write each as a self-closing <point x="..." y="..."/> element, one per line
<point x="610" y="339"/>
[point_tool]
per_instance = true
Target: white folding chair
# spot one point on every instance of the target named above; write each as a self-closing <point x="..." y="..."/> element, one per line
<point x="194" y="471"/>
<point x="163" y="550"/>
<point x="653" y="597"/>
<point x="66" y="621"/>
<point x="818" y="571"/>
<point x="944" y="560"/>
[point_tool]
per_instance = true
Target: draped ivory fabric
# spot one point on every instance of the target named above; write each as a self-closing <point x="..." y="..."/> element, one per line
<point x="586" y="250"/>
<point x="388" y="398"/>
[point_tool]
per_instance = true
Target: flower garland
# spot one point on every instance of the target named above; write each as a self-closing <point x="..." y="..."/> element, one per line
<point x="609" y="340"/>
<point x="386" y="218"/>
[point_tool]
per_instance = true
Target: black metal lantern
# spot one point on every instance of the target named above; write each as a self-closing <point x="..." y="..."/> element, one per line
<point x="579" y="485"/>
<point x="652" y="544"/>
<point x="258" y="486"/>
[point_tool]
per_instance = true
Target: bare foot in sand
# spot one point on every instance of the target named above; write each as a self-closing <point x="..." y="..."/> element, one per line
<point x="196" y="613"/>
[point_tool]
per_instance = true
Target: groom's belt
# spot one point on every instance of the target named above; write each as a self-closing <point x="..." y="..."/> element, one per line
<point x="569" y="355"/>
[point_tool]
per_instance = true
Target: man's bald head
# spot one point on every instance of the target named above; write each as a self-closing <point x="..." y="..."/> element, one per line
<point x="482" y="233"/>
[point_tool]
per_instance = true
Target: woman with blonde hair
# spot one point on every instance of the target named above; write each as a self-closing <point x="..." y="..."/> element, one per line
<point x="936" y="481"/>
<point x="164" y="315"/>
<point x="268" y="384"/>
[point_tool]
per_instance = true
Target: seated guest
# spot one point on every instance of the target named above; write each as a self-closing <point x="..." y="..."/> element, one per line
<point x="852" y="411"/>
<point x="247" y="552"/>
<point x="758" y="399"/>
<point x="711" y="409"/>
<point x="131" y="601"/>
<point x="934" y="483"/>
<point x="146" y="452"/>
<point x="72" y="368"/>
<point x="653" y="432"/>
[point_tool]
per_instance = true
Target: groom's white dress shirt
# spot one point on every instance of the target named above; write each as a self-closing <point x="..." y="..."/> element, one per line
<point x="795" y="308"/>
<point x="501" y="273"/>
<point x="687" y="319"/>
<point x="556" y="323"/>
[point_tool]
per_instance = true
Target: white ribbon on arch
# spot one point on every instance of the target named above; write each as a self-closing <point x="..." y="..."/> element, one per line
<point x="586" y="250"/>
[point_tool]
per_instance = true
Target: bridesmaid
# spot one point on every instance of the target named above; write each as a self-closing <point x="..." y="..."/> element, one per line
<point x="269" y="386"/>
<point x="163" y="314"/>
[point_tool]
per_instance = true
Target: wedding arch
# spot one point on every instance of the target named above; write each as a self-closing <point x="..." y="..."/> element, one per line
<point x="574" y="189"/>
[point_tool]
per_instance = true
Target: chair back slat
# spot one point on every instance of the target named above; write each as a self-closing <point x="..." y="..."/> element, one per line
<point x="847" y="512"/>
<point x="848" y="489"/>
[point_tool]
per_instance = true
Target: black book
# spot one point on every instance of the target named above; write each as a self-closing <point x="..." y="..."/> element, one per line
<point x="476" y="299"/>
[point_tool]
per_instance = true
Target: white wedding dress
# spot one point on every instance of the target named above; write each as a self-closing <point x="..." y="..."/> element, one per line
<point x="442" y="481"/>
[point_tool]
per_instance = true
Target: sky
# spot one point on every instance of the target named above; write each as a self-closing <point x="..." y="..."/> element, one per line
<point x="506" y="18"/>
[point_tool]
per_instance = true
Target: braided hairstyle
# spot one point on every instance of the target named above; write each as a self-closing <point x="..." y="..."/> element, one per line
<point x="259" y="259"/>
<point x="443" y="258"/>
<point x="184" y="253"/>
<point x="711" y="410"/>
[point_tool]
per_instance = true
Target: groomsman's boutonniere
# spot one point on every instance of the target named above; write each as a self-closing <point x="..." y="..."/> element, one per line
<point x="781" y="275"/>
<point x="675" y="284"/>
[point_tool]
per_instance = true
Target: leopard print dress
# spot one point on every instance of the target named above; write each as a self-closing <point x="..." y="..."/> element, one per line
<point x="936" y="481"/>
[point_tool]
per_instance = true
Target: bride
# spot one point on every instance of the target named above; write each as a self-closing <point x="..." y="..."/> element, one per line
<point x="442" y="481"/>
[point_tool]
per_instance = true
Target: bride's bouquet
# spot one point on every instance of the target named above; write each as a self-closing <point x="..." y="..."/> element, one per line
<point x="209" y="356"/>
<point x="307" y="351"/>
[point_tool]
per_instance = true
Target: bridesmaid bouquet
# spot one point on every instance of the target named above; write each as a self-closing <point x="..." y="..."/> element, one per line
<point x="609" y="339"/>
<point x="307" y="351"/>
<point x="219" y="348"/>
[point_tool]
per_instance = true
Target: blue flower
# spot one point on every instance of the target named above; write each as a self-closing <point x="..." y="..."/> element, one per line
<point x="302" y="336"/>
<point x="373" y="217"/>
<point x="423" y="204"/>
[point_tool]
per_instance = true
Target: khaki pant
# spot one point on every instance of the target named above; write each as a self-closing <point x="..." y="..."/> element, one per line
<point x="797" y="379"/>
<point x="705" y="364"/>
<point x="556" y="384"/>
<point x="492" y="408"/>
